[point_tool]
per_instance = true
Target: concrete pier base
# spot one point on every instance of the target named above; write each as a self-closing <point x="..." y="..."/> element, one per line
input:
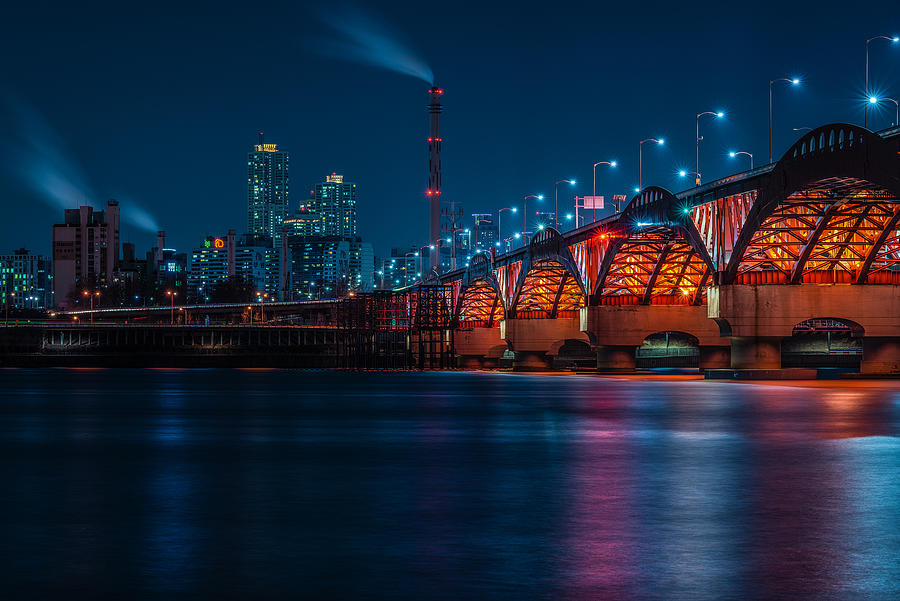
<point x="759" y="352"/>
<point x="880" y="356"/>
<point x="532" y="361"/>
<point x="616" y="358"/>
<point x="715" y="357"/>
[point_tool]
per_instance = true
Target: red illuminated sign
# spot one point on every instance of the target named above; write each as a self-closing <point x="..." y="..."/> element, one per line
<point x="219" y="243"/>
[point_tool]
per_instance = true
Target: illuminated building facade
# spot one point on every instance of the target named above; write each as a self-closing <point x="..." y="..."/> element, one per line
<point x="85" y="250"/>
<point x="25" y="280"/>
<point x="320" y="267"/>
<point x="268" y="187"/>
<point x="334" y="202"/>
<point x="305" y="223"/>
<point x="219" y="258"/>
<point x="485" y="234"/>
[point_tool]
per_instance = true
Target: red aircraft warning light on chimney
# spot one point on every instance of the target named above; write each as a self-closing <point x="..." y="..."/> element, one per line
<point x="434" y="172"/>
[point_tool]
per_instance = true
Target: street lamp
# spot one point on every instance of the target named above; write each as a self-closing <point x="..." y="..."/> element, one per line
<point x="594" y="189"/>
<point x="893" y="40"/>
<point x="793" y="81"/>
<point x="525" y="213"/>
<point x="499" y="215"/>
<point x="733" y="154"/>
<point x="173" y="295"/>
<point x="556" y="199"/>
<point x="876" y="100"/>
<point x="261" y="298"/>
<point x="684" y="173"/>
<point x="718" y="115"/>
<point x="91" y="295"/>
<point x="660" y="142"/>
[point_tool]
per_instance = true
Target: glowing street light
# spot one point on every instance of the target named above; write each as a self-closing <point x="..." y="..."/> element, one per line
<point x="571" y="182"/>
<point x="891" y="39"/>
<point x="88" y="294"/>
<point x="793" y="81"/>
<point x="716" y="114"/>
<point x="525" y="213"/>
<point x="660" y="142"/>
<point x="733" y="154"/>
<point x="612" y="165"/>
<point x="499" y="218"/>
<point x="173" y="295"/>
<point x="876" y="100"/>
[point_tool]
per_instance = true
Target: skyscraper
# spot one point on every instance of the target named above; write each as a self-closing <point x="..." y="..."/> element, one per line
<point x="268" y="187"/>
<point x="334" y="202"/>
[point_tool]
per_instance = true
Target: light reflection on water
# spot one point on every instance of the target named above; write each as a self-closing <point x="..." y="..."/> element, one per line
<point x="272" y="484"/>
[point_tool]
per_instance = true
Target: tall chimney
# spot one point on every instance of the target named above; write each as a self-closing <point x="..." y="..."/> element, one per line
<point x="160" y="245"/>
<point x="261" y="136"/>
<point x="434" y="175"/>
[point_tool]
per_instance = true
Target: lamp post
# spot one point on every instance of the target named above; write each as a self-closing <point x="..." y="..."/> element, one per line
<point x="90" y="295"/>
<point x="172" y="294"/>
<point x="793" y="81"/>
<point x="718" y="115"/>
<point x="438" y="244"/>
<point x="892" y="39"/>
<point x="525" y="213"/>
<point x="683" y="173"/>
<point x="660" y="142"/>
<point x="749" y="154"/>
<point x="571" y="182"/>
<point x="876" y="100"/>
<point x="594" y="188"/>
<point x="499" y="215"/>
<point x="262" y="306"/>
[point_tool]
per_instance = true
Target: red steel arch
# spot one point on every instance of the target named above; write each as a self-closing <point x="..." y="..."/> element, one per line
<point x="480" y="301"/>
<point x="549" y="283"/>
<point x="656" y="257"/>
<point x="829" y="213"/>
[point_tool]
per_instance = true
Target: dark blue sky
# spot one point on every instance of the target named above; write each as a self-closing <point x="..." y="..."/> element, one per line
<point x="155" y="104"/>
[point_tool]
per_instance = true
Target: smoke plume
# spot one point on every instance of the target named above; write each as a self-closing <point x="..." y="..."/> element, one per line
<point x="364" y="38"/>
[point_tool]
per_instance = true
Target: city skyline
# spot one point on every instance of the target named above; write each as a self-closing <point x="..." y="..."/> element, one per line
<point x="491" y="159"/>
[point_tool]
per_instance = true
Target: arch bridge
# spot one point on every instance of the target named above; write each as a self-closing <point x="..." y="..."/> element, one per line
<point x="735" y="263"/>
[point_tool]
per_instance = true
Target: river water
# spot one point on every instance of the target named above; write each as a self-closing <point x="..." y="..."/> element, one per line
<point x="269" y="484"/>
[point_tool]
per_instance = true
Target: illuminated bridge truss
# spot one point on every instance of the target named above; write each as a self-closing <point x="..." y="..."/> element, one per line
<point x="827" y="212"/>
<point x="480" y="305"/>
<point x="548" y="290"/>
<point x="822" y="236"/>
<point x="654" y="268"/>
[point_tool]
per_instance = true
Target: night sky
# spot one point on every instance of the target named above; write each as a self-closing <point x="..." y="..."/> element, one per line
<point x="156" y="104"/>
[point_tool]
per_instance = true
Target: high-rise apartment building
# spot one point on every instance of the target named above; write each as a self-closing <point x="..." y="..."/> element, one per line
<point x="485" y="234"/>
<point x="25" y="280"/>
<point x="85" y="250"/>
<point x="305" y="222"/>
<point x="334" y="202"/>
<point x="268" y="186"/>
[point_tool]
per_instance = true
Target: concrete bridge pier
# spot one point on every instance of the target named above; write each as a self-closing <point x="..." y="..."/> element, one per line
<point x="755" y="352"/>
<point x="478" y="348"/>
<point x="537" y="342"/>
<point x="715" y="357"/>
<point x="616" y="358"/>
<point x="881" y="355"/>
